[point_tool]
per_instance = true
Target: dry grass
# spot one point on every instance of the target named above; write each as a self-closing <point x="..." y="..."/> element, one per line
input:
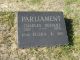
<point x="32" y="5"/>
<point x="8" y="42"/>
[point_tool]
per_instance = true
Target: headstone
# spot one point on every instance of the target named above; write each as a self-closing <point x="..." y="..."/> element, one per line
<point x="41" y="29"/>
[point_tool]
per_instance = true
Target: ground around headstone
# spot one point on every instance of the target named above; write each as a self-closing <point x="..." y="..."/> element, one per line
<point x="8" y="44"/>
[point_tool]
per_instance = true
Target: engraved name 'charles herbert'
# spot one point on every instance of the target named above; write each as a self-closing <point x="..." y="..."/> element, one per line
<point x="55" y="25"/>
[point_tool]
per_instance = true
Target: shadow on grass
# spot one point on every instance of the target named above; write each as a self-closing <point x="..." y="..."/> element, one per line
<point x="69" y="27"/>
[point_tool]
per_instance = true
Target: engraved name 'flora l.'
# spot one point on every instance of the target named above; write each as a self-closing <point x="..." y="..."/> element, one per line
<point x="42" y="34"/>
<point x="40" y="18"/>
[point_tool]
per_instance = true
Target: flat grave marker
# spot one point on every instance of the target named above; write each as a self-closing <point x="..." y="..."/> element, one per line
<point x="43" y="29"/>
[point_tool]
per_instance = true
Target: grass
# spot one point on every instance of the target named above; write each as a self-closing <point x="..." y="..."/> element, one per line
<point x="32" y="1"/>
<point x="35" y="1"/>
<point x="7" y="18"/>
<point x="67" y="2"/>
<point x="10" y="51"/>
<point x="7" y="22"/>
